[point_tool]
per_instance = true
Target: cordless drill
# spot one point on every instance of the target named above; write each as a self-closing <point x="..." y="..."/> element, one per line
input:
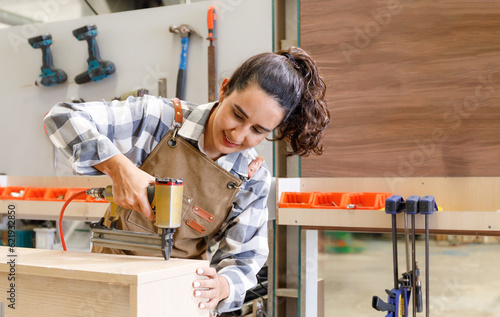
<point x="165" y="197"/>
<point x="50" y="76"/>
<point x="97" y="69"/>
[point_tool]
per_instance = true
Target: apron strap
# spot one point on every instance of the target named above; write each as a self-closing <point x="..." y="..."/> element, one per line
<point x="177" y="122"/>
<point x="178" y="112"/>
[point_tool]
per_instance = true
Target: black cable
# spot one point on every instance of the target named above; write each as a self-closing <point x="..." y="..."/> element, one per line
<point x="91" y="8"/>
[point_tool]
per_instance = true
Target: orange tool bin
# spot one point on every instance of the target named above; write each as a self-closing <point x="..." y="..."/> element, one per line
<point x="296" y="200"/>
<point x="330" y="200"/>
<point x="35" y="193"/>
<point x="367" y="200"/>
<point x="7" y="193"/>
<point x="91" y="199"/>
<point x="81" y="198"/>
<point x="56" y="194"/>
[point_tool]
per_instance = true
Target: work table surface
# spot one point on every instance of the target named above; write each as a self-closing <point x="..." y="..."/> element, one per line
<point x="49" y="282"/>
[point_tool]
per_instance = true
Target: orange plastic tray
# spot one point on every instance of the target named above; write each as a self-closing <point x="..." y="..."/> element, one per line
<point x="368" y="200"/>
<point x="296" y="200"/>
<point x="330" y="200"/>
<point x="35" y="193"/>
<point x="6" y="194"/>
<point x="72" y="191"/>
<point x="91" y="199"/>
<point x="56" y="194"/>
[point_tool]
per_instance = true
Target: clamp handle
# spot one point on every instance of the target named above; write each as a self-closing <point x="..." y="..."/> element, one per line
<point x="380" y="305"/>
<point x="427" y="205"/>
<point x="412" y="205"/>
<point x="394" y="204"/>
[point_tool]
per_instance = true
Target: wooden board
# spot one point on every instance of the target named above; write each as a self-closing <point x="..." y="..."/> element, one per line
<point x="413" y="86"/>
<point x="471" y="204"/>
<point x="57" y="283"/>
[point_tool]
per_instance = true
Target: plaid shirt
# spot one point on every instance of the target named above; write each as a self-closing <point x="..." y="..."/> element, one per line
<point x="90" y="133"/>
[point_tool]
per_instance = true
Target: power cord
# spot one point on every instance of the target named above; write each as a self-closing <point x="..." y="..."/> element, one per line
<point x="61" y="234"/>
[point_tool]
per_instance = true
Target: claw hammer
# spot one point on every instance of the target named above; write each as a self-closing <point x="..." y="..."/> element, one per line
<point x="184" y="30"/>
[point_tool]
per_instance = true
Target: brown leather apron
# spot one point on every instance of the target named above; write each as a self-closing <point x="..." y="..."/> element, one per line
<point x="208" y="195"/>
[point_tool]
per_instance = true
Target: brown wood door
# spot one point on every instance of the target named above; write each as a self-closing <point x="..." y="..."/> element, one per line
<point x="413" y="86"/>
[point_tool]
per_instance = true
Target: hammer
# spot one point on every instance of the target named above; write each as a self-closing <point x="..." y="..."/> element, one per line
<point x="185" y="31"/>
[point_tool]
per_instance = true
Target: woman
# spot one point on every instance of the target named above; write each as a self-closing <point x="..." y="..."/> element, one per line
<point x="211" y="147"/>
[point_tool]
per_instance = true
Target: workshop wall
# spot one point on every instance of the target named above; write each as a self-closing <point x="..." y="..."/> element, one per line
<point x="142" y="49"/>
<point x="413" y="86"/>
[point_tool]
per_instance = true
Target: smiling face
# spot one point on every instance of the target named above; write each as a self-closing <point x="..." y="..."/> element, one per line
<point x="242" y="120"/>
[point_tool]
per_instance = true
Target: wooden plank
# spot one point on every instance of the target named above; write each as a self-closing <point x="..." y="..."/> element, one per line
<point x="471" y="204"/>
<point x="57" y="283"/>
<point x="442" y="222"/>
<point x="50" y="210"/>
<point x="412" y="86"/>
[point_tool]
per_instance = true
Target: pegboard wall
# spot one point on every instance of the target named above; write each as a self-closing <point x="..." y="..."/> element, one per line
<point x="143" y="50"/>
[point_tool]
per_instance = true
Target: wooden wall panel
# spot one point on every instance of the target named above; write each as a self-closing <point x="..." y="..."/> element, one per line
<point x="413" y="86"/>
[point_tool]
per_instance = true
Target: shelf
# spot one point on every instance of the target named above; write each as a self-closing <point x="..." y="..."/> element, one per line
<point x="49" y="210"/>
<point x="474" y="200"/>
<point x="485" y="223"/>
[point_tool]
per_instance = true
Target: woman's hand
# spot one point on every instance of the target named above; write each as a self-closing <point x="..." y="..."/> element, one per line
<point x="129" y="184"/>
<point x="215" y="288"/>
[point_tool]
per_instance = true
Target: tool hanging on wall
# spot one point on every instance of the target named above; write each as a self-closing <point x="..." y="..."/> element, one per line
<point x="212" y="77"/>
<point x="409" y="285"/>
<point x="50" y="76"/>
<point x="97" y="68"/>
<point x="185" y="31"/>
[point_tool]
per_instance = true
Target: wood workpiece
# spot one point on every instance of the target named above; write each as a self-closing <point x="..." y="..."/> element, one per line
<point x="58" y="283"/>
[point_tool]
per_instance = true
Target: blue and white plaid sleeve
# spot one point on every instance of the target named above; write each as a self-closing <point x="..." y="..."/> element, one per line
<point x="243" y="248"/>
<point x="93" y="132"/>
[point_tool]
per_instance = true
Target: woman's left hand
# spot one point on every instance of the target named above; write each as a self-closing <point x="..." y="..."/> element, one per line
<point x="215" y="288"/>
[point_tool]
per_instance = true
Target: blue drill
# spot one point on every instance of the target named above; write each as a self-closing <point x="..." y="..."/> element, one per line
<point x="97" y="68"/>
<point x="50" y="76"/>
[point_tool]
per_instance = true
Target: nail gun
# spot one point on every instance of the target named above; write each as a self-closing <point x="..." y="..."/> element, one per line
<point x="165" y="197"/>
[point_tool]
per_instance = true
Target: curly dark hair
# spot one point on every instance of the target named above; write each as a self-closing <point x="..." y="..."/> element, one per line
<point x="291" y="78"/>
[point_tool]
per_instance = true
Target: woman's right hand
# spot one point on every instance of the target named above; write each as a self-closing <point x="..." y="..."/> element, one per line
<point x="129" y="184"/>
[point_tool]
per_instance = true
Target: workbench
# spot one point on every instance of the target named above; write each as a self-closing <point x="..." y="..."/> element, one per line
<point x="58" y="283"/>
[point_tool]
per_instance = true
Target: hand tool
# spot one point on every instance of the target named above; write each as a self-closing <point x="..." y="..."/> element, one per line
<point x="185" y="31"/>
<point x="50" y="76"/>
<point x="97" y="68"/>
<point x="212" y="78"/>
<point x="411" y="208"/>
<point x="426" y="206"/>
<point x="162" y="87"/>
<point x="165" y="198"/>
<point x="398" y="297"/>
